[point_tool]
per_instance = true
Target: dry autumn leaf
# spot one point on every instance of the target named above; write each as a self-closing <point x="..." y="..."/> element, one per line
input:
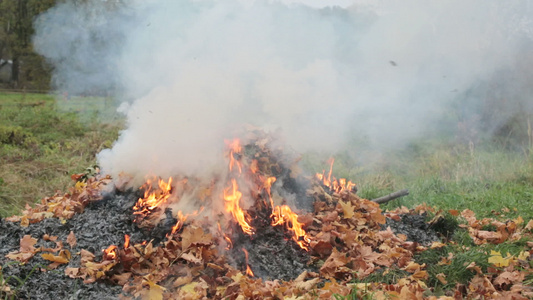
<point x="347" y="209"/>
<point x="195" y="236"/>
<point x="26" y="251"/>
<point x="155" y="292"/>
<point x="71" y="239"/>
<point x="497" y="259"/>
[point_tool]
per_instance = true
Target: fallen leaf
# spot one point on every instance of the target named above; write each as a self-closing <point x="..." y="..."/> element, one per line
<point x="442" y="278"/>
<point x="191" y="258"/>
<point x="518" y="220"/>
<point x="195" y="236"/>
<point x="307" y="285"/>
<point x="26" y="244"/>
<point x="498" y="260"/>
<point x="436" y="245"/>
<point x="454" y="212"/>
<point x="71" y="239"/>
<point x="182" y="281"/>
<point x="509" y="277"/>
<point x="529" y="225"/>
<point x="347" y="209"/>
<point x="62" y="258"/>
<point x="155" y="292"/>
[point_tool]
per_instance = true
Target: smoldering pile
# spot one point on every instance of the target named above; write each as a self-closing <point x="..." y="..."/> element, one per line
<point x="98" y="242"/>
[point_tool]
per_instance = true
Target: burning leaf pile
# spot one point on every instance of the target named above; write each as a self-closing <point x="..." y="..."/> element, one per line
<point x="259" y="230"/>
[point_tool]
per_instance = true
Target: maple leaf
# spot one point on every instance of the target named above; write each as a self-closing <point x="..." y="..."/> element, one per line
<point x="347" y="209"/>
<point x="195" y="236"/>
<point x="509" y="277"/>
<point x="26" y="251"/>
<point x="497" y="259"/>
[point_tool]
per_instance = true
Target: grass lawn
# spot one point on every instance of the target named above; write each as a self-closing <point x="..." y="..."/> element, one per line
<point x="43" y="141"/>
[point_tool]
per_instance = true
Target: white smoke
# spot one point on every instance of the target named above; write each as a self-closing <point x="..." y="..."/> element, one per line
<point x="192" y="73"/>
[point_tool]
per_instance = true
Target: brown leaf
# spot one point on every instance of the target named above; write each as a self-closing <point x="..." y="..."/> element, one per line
<point x="26" y="244"/>
<point x="26" y="251"/>
<point x="378" y="217"/>
<point x="71" y="239"/>
<point x="191" y="258"/>
<point x="347" y="209"/>
<point x="454" y="212"/>
<point x="72" y="272"/>
<point x="121" y="279"/>
<point x="195" y="236"/>
<point x="509" y="277"/>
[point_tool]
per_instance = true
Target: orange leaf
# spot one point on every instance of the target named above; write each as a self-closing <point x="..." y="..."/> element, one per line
<point x="71" y="239"/>
<point x="453" y="212"/>
<point x="62" y="258"/>
<point x="26" y="244"/>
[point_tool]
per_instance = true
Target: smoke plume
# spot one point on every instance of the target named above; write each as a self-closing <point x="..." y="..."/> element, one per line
<point x="192" y="73"/>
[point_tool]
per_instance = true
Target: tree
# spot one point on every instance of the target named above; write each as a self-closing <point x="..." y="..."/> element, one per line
<point x="16" y="29"/>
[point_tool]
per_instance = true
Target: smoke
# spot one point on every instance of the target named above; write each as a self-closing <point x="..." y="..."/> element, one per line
<point x="192" y="73"/>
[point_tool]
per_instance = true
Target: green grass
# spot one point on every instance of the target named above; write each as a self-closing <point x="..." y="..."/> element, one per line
<point x="447" y="176"/>
<point x="43" y="141"/>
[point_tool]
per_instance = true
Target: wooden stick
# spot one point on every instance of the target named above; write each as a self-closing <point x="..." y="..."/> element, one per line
<point x="390" y="197"/>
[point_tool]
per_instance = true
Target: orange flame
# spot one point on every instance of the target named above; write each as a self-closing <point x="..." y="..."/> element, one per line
<point x="283" y="215"/>
<point x="229" y="243"/>
<point x="267" y="185"/>
<point x="182" y="218"/>
<point x="126" y="241"/>
<point x="249" y="271"/>
<point x="337" y="186"/>
<point x="153" y="199"/>
<point x="110" y="253"/>
<point x="232" y="196"/>
<point x="234" y="148"/>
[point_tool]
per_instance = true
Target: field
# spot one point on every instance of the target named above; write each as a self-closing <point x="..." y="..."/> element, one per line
<point x="44" y="142"/>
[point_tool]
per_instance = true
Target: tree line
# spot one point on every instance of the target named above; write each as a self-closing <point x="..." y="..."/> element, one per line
<point x="20" y="66"/>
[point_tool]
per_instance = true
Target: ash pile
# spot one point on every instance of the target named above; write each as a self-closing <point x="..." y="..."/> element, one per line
<point x="259" y="230"/>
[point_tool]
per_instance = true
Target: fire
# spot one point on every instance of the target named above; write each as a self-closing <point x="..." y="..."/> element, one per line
<point x="232" y="196"/>
<point x="110" y="253"/>
<point x="249" y="271"/>
<point x="229" y="243"/>
<point x="235" y="149"/>
<point x="332" y="183"/>
<point x="182" y="218"/>
<point x="267" y="185"/>
<point x="153" y="198"/>
<point x="283" y="215"/>
<point x="126" y="241"/>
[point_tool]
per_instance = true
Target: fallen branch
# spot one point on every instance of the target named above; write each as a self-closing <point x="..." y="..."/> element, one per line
<point x="390" y="197"/>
